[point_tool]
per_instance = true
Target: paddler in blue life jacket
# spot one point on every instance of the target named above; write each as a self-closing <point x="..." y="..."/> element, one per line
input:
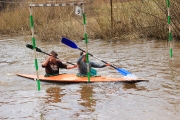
<point x="52" y="65"/>
<point x="82" y="65"/>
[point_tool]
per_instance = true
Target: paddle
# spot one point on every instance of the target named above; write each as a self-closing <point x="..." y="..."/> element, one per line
<point x="39" y="50"/>
<point x="73" y="45"/>
<point x="93" y="71"/>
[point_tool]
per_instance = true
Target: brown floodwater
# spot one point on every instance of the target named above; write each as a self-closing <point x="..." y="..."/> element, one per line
<point x="158" y="99"/>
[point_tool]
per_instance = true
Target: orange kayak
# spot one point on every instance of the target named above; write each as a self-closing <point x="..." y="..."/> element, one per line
<point x="72" y="78"/>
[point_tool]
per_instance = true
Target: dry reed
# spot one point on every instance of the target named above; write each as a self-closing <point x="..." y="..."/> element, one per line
<point x="130" y="20"/>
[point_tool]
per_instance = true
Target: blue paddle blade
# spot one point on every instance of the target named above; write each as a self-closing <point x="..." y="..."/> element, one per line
<point x="123" y="71"/>
<point x="69" y="43"/>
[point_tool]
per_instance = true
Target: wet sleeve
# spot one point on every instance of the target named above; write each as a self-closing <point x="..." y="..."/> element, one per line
<point x="61" y="65"/>
<point x="80" y="59"/>
<point x="95" y="65"/>
<point x="44" y="66"/>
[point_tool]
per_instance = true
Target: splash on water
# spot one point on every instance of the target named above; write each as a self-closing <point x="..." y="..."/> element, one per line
<point x="130" y="76"/>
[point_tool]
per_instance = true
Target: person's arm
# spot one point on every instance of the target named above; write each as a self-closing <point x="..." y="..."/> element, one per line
<point x="46" y="62"/>
<point x="62" y="65"/>
<point x="80" y="59"/>
<point x="72" y="66"/>
<point x="95" y="65"/>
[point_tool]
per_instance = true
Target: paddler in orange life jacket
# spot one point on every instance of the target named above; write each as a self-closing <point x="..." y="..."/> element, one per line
<point x="52" y="65"/>
<point x="82" y="65"/>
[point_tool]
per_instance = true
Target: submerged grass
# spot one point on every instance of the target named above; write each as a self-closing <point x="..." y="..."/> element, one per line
<point x="132" y="19"/>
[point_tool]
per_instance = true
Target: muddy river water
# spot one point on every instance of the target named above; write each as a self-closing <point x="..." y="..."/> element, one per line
<point x="158" y="99"/>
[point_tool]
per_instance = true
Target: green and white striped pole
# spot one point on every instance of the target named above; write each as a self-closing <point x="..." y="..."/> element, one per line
<point x="34" y="46"/>
<point x="169" y="23"/>
<point x="86" y="42"/>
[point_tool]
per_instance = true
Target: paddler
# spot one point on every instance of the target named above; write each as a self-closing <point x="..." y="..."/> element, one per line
<point x="52" y="65"/>
<point x="82" y="65"/>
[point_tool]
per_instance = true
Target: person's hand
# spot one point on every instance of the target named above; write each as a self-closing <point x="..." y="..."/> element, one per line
<point x="50" y="57"/>
<point x="84" y="53"/>
<point x="108" y="64"/>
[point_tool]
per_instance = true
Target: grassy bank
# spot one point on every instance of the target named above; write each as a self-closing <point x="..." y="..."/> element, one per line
<point x="136" y="18"/>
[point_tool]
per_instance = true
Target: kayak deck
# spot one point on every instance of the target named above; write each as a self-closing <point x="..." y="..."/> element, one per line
<point x="72" y="78"/>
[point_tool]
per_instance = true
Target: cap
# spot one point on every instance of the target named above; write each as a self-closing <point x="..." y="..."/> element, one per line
<point x="54" y="53"/>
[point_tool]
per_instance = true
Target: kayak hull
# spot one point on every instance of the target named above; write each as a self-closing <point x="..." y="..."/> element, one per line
<point x="72" y="78"/>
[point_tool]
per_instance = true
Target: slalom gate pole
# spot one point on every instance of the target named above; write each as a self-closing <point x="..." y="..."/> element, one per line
<point x="32" y="30"/>
<point x="86" y="42"/>
<point x="34" y="48"/>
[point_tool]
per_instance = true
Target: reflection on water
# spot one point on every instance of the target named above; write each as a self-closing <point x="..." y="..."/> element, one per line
<point x="54" y="94"/>
<point x="87" y="97"/>
<point x="128" y="86"/>
<point x="158" y="99"/>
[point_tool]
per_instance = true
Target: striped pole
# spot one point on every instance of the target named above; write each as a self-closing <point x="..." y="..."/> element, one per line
<point x="169" y="23"/>
<point x="57" y="5"/>
<point x="34" y="46"/>
<point x="86" y="42"/>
